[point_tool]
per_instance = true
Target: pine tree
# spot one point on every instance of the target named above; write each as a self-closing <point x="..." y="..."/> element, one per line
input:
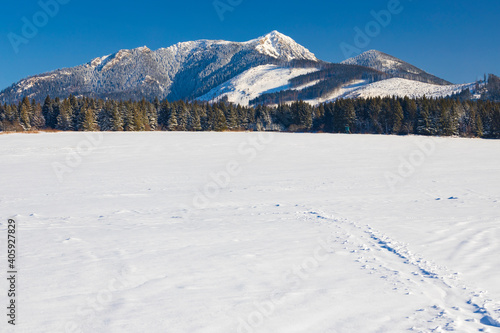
<point x="301" y="115"/>
<point x="398" y="117"/>
<point x="48" y="113"/>
<point x="89" y="122"/>
<point x="116" y="119"/>
<point x="424" y="126"/>
<point x="232" y="118"/>
<point x="410" y="111"/>
<point x="172" y="121"/>
<point x="196" y="121"/>
<point x="37" y="118"/>
<point x="129" y="123"/>
<point x="64" y="119"/>
<point x="479" y="126"/>
<point x="163" y="114"/>
<point x="24" y="114"/>
<point x="182" y="116"/>
<point x="139" y="118"/>
<point x="152" y="115"/>
<point x="11" y="114"/>
<point x="219" y="121"/>
<point x="242" y="117"/>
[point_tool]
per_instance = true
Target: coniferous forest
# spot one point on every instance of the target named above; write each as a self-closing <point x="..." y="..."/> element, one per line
<point x="400" y="116"/>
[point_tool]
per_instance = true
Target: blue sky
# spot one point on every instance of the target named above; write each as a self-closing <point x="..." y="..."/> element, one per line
<point x="456" y="40"/>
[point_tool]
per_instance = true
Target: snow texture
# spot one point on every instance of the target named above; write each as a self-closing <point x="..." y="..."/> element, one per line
<point x="308" y="233"/>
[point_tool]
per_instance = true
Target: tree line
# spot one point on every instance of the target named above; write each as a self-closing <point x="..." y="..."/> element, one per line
<point x="391" y="115"/>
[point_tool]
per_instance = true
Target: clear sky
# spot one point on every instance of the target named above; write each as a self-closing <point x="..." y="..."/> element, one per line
<point x="456" y="40"/>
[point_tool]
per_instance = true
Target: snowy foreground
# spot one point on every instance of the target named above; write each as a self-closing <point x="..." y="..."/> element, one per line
<point x="246" y="232"/>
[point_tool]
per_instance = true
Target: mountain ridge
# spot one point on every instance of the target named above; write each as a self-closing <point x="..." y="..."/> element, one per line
<point x="179" y="71"/>
<point x="198" y="69"/>
<point x="394" y="66"/>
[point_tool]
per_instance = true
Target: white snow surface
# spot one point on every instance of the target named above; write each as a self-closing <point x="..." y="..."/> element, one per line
<point x="306" y="234"/>
<point x="255" y="82"/>
<point x="403" y="87"/>
<point x="392" y="87"/>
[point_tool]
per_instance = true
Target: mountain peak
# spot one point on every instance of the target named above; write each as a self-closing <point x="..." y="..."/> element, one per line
<point x="280" y="46"/>
<point x="373" y="52"/>
<point x="386" y="63"/>
<point x="275" y="34"/>
<point x="368" y="56"/>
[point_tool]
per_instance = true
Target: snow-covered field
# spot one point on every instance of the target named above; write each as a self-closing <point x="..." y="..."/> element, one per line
<point x="249" y="232"/>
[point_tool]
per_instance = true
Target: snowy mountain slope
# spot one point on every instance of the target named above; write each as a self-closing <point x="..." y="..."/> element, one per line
<point x="308" y="236"/>
<point x="268" y="79"/>
<point x="339" y="93"/>
<point x="403" y="87"/>
<point x="184" y="70"/>
<point x="254" y="82"/>
<point x="393" y="87"/>
<point x="391" y="65"/>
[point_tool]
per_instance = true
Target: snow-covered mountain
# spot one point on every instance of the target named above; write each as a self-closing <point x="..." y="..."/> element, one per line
<point x="184" y="70"/>
<point x="269" y="69"/>
<point x="391" y="65"/>
<point x="400" y="79"/>
<point x="279" y="46"/>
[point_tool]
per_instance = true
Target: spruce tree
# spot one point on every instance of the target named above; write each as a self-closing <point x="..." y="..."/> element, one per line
<point x="24" y="114"/>
<point x="196" y="121"/>
<point x="232" y="118"/>
<point x="89" y="121"/>
<point x="64" y="119"/>
<point x="116" y="119"/>
<point x="152" y="115"/>
<point x="172" y="121"/>
<point x="423" y="120"/>
<point x="37" y="118"/>
<point x="398" y="117"/>
<point x="48" y="113"/>
<point x="182" y="116"/>
<point x="219" y="121"/>
<point x="163" y="114"/>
